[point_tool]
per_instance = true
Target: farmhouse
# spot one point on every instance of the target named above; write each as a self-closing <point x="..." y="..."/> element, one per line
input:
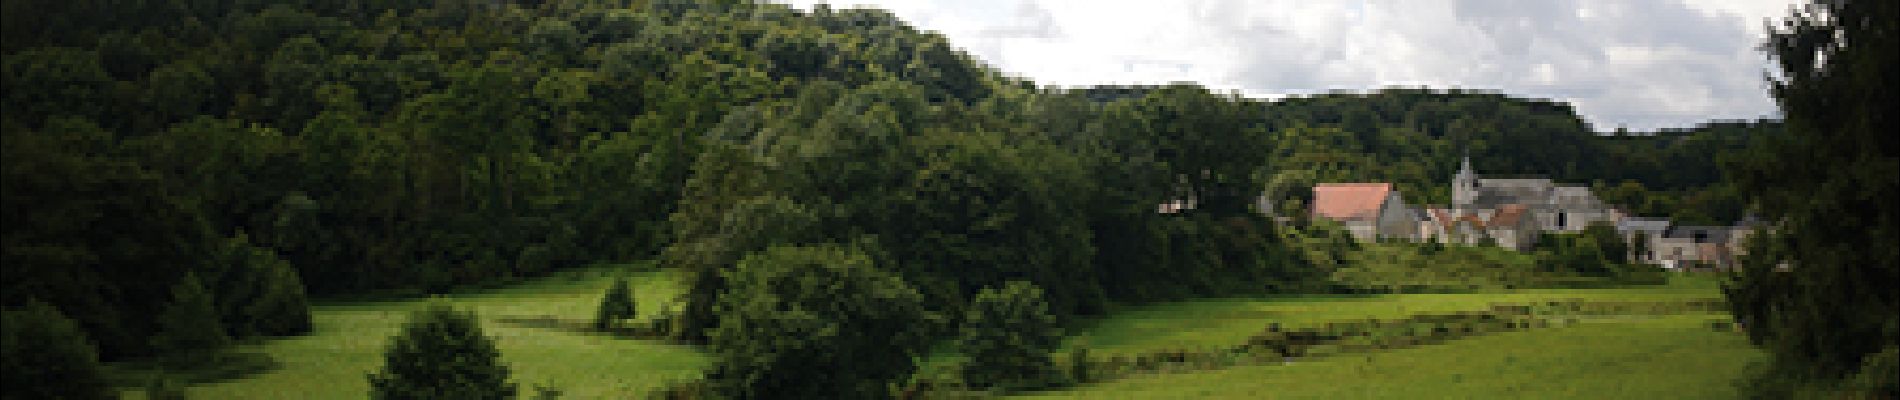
<point x="1369" y="211"/>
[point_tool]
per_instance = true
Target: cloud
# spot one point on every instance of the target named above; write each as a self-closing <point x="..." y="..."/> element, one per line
<point x="1624" y="63"/>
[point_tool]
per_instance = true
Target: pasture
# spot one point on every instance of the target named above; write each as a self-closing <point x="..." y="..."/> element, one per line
<point x="1663" y="357"/>
<point x="349" y="339"/>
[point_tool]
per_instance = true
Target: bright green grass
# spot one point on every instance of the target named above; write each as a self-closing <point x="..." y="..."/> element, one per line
<point x="1211" y="323"/>
<point x="1668" y="357"/>
<point x="349" y="339"/>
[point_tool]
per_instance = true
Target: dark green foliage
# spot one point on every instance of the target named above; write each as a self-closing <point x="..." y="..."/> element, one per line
<point x="1817" y="288"/>
<point x="616" y="306"/>
<point x="1080" y="365"/>
<point x="441" y="353"/>
<point x="91" y="232"/>
<point x="257" y="292"/>
<point x="44" y="355"/>
<point x="1596" y="252"/>
<point x="815" y="322"/>
<point x="1008" y="336"/>
<point x="189" y="330"/>
<point x="164" y="388"/>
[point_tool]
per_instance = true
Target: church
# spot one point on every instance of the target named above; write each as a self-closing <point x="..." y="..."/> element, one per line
<point x="1507" y="212"/>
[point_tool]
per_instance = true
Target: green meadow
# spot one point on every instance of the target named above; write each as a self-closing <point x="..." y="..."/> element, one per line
<point x="1671" y="356"/>
<point x="1665" y="357"/>
<point x="348" y="344"/>
<point x="1200" y="324"/>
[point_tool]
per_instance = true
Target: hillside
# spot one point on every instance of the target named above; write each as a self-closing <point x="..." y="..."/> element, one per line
<point x="160" y="155"/>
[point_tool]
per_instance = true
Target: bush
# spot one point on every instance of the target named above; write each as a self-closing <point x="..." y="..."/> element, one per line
<point x="190" y="333"/>
<point x="44" y="355"/>
<point x="256" y="292"/>
<point x="815" y="322"/>
<point x="1008" y="335"/>
<point x="442" y="354"/>
<point x="616" y="306"/>
<point x="1079" y="365"/>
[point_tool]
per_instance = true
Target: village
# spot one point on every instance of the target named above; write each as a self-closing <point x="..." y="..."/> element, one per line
<point x="1512" y="212"/>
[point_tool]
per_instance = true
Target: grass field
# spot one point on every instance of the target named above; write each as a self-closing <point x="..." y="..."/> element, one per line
<point x="1200" y="324"/>
<point x="1670" y="357"/>
<point x="1664" y="357"/>
<point x="349" y="340"/>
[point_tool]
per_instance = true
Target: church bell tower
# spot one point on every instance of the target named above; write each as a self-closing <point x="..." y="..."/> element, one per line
<point x="1464" y="186"/>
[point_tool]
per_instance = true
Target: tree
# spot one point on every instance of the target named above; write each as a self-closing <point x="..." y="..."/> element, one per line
<point x="1816" y="289"/>
<point x="257" y="292"/>
<point x="616" y="306"/>
<point x="189" y="328"/>
<point x="1008" y="335"/>
<point x="44" y="355"/>
<point x="441" y="353"/>
<point x="815" y="322"/>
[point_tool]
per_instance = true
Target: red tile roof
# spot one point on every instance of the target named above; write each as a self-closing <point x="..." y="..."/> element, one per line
<point x="1349" y="201"/>
<point x="1508" y="215"/>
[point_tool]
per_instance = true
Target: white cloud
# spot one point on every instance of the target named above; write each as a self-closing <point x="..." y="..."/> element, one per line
<point x="1636" y="63"/>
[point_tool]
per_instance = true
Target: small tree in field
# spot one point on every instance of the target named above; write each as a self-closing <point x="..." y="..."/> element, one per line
<point x="616" y="306"/>
<point x="441" y="354"/>
<point x="189" y="329"/>
<point x="44" y="355"/>
<point x="1008" y="335"/>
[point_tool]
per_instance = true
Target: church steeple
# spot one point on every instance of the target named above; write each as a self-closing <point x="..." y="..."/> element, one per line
<point x="1464" y="186"/>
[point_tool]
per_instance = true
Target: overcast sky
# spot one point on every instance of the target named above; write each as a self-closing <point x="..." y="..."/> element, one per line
<point x="1640" y="64"/>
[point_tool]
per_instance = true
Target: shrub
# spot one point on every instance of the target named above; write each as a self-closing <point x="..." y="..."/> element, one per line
<point x="256" y="291"/>
<point x="189" y="329"/>
<point x="1079" y="365"/>
<point x="616" y="306"/>
<point x="1008" y="335"/>
<point x="441" y="353"/>
<point x="44" y="355"/>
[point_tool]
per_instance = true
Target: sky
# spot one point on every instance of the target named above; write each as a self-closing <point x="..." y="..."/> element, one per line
<point x="1634" y="64"/>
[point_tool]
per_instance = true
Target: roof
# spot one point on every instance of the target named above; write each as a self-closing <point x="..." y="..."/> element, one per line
<point x="1643" y="224"/>
<point x="1508" y="215"/>
<point x="1346" y="201"/>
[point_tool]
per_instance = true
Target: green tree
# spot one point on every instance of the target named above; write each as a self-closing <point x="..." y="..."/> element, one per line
<point x="190" y="331"/>
<point x="1817" y="287"/>
<point x="1008" y="335"/>
<point x="44" y="355"/>
<point x="441" y="353"/>
<point x="616" y="306"/>
<point x="815" y="322"/>
<point x="257" y="292"/>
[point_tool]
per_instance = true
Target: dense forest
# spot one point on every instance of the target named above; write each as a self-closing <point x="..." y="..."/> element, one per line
<point x="350" y="148"/>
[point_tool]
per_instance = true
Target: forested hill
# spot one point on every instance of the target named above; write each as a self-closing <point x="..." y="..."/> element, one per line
<point x="386" y="145"/>
<point x="418" y="146"/>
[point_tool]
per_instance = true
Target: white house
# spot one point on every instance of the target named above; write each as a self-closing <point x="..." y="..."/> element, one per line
<point x="1369" y="211"/>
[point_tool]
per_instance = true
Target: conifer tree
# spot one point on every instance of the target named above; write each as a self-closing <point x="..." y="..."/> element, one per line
<point x="616" y="306"/>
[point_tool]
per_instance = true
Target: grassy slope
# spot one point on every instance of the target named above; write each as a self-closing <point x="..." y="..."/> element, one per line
<point x="1199" y="324"/>
<point x="349" y="340"/>
<point x="1674" y="357"/>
